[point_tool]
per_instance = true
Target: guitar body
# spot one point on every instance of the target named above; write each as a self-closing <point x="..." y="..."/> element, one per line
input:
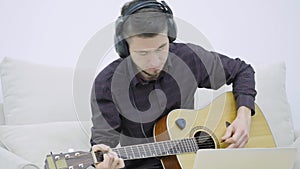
<point x="209" y="123"/>
<point x="178" y="136"/>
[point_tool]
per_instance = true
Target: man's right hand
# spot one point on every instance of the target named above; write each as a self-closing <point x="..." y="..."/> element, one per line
<point x="111" y="159"/>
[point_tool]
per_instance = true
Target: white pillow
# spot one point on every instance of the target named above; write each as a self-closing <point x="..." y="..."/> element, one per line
<point x="35" y="93"/>
<point x="271" y="98"/>
<point x="34" y="142"/>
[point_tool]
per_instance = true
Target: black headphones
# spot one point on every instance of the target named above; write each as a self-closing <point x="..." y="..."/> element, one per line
<point x="121" y="45"/>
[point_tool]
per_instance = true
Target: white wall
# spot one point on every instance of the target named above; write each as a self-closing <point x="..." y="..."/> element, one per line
<point x="55" y="31"/>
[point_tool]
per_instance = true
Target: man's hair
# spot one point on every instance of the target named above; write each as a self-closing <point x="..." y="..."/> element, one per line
<point x="146" y="22"/>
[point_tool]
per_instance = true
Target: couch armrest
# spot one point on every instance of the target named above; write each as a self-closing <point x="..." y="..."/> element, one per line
<point x="297" y="145"/>
<point x="8" y="160"/>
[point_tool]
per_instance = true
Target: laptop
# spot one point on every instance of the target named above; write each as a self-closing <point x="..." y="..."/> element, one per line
<point x="246" y="158"/>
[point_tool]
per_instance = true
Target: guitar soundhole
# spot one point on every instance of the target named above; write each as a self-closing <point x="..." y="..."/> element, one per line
<point x="204" y="140"/>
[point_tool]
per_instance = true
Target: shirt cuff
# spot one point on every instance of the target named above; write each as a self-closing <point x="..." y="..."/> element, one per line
<point x="246" y="100"/>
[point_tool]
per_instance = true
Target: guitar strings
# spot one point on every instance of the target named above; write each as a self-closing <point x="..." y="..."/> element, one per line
<point x="183" y="145"/>
<point x="169" y="147"/>
<point x="183" y="142"/>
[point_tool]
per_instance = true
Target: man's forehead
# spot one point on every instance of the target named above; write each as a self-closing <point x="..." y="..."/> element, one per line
<point x="148" y="43"/>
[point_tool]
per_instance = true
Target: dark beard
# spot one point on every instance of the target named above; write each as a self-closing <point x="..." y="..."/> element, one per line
<point x="150" y="76"/>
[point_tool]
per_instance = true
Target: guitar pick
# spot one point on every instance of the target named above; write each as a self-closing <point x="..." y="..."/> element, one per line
<point x="181" y="123"/>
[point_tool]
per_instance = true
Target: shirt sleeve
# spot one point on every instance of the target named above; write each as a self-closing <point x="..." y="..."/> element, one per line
<point x="241" y="76"/>
<point x="214" y="70"/>
<point x="105" y="116"/>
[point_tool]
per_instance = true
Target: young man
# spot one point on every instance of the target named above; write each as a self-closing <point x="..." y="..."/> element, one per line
<point x="154" y="76"/>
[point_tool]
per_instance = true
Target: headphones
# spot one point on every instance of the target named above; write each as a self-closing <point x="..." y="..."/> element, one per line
<point x="121" y="45"/>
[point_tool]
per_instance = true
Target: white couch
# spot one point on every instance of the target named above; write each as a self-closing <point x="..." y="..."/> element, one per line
<point x="38" y="114"/>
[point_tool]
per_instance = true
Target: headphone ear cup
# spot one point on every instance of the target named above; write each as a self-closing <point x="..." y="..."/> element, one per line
<point x="172" y="29"/>
<point x="121" y="45"/>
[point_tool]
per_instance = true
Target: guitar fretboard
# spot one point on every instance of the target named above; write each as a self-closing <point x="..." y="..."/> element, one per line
<point x="157" y="149"/>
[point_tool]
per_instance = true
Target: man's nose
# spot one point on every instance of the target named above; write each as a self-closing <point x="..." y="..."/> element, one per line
<point x="154" y="61"/>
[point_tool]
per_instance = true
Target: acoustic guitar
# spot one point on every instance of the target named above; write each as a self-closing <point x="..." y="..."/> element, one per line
<point x="178" y="136"/>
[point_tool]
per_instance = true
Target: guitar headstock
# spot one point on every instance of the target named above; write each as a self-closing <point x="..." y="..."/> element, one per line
<point x="73" y="160"/>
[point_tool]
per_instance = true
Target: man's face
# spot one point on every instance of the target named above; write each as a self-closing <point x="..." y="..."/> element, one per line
<point x="149" y="54"/>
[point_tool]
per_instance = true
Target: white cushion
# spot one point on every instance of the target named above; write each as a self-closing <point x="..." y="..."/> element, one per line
<point x="271" y="98"/>
<point x="35" y="93"/>
<point x="8" y="160"/>
<point x="2" y="145"/>
<point x="33" y="142"/>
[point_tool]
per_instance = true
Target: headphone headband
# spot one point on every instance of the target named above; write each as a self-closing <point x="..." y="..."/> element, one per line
<point x="149" y="4"/>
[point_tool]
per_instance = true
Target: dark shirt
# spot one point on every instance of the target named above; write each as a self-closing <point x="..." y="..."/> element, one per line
<point x="125" y="107"/>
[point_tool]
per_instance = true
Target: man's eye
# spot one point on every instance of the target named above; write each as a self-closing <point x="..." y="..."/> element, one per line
<point x="142" y="53"/>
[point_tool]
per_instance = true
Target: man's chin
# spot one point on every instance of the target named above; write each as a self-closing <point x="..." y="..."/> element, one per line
<point x="150" y="74"/>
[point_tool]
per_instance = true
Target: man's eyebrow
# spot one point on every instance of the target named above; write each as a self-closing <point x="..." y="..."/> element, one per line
<point x="147" y="50"/>
<point x="163" y="45"/>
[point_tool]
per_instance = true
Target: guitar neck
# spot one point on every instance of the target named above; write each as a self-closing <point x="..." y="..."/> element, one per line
<point x="80" y="159"/>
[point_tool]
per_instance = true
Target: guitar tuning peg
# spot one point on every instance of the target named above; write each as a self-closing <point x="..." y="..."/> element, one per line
<point x="56" y="157"/>
<point x="70" y="150"/>
<point x="67" y="156"/>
